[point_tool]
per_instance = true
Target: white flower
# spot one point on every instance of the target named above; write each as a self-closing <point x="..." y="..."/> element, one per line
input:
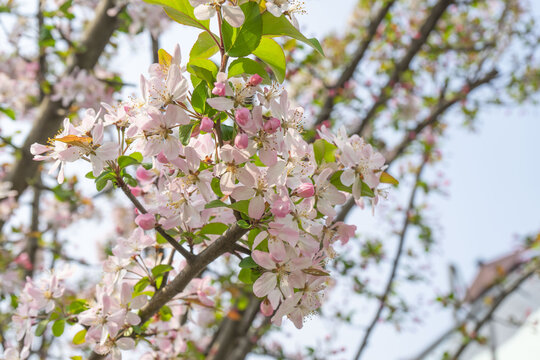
<point x="205" y="9"/>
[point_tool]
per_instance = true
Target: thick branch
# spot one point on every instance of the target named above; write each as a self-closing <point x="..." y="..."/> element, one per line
<point x="395" y="264"/>
<point x="219" y="247"/>
<point x="50" y="113"/>
<point x="385" y="94"/>
<point x="349" y="71"/>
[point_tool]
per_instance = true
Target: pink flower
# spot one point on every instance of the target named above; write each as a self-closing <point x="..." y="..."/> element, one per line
<point x="242" y="116"/>
<point x="206" y="124"/>
<point x="144" y="176"/>
<point x="24" y="260"/>
<point x="305" y="190"/>
<point x="241" y="141"/>
<point x="136" y="190"/>
<point x="266" y="308"/>
<point x="272" y="125"/>
<point x="255" y="80"/>
<point x="146" y="221"/>
<point x="219" y="88"/>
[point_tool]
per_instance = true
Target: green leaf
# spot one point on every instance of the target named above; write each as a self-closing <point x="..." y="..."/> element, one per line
<point x="216" y="186"/>
<point x="245" y="276"/>
<point x="184" y="133"/>
<point x="181" y="11"/>
<point x="165" y="313"/>
<point x="366" y="190"/>
<point x="58" y="327"/>
<point x="204" y="47"/>
<point x="214" y="229"/>
<point x="89" y="175"/>
<point x="227" y="132"/>
<point x="160" y="239"/>
<point x="241" y="206"/>
<point x="161" y="269"/>
<point x="79" y="337"/>
<point x="386" y="178"/>
<point x="247" y="66"/>
<point x="103" y="179"/>
<point x="77" y="306"/>
<point x="243" y="224"/>
<point x="335" y="180"/>
<point x="204" y="69"/>
<point x="248" y="263"/>
<point x="76" y="357"/>
<point x="137" y="156"/>
<point x="272" y="54"/>
<point x="8" y="112"/>
<point x="199" y="96"/>
<point x="324" y="151"/>
<point x="141" y="285"/>
<point x="124" y="161"/>
<point x="40" y="329"/>
<point x="242" y="41"/>
<point x="280" y="26"/>
<point x="215" y="204"/>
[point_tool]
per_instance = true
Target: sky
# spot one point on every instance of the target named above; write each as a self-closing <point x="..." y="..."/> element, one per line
<point x="493" y="191"/>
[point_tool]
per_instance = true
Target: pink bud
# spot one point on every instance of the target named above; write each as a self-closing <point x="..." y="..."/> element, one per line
<point x="24" y="260"/>
<point x="243" y="116"/>
<point x="144" y="175"/>
<point x="162" y="158"/>
<point x="206" y="124"/>
<point x="266" y="308"/>
<point x="219" y="89"/>
<point x="241" y="141"/>
<point x="272" y="125"/>
<point x="305" y="190"/>
<point x="255" y="80"/>
<point x="196" y="131"/>
<point x="281" y="207"/>
<point x="136" y="191"/>
<point x="146" y="221"/>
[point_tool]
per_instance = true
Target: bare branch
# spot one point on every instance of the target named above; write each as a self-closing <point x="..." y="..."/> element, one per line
<point x="385" y="93"/>
<point x="349" y="71"/>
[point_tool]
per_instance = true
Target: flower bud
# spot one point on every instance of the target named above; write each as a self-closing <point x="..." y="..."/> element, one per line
<point x="305" y="190"/>
<point x="272" y="125"/>
<point x="146" y="221"/>
<point x="266" y="308"/>
<point x="255" y="80"/>
<point x="219" y="89"/>
<point x="206" y="124"/>
<point x="242" y="116"/>
<point x="241" y="141"/>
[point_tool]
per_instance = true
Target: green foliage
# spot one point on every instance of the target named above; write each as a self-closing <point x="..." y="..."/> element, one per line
<point x="272" y="54"/>
<point x="324" y="151"/>
<point x="214" y="229"/>
<point x="181" y="11"/>
<point x="204" y="47"/>
<point x="203" y="69"/>
<point x="243" y="40"/>
<point x="247" y="66"/>
<point x="58" y="327"/>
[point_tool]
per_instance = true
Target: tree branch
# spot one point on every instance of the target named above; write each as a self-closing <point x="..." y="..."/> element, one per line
<point x="384" y="95"/>
<point x="395" y="264"/>
<point x="349" y="71"/>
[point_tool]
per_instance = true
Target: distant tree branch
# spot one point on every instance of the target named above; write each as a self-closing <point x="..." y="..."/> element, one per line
<point x="395" y="264"/>
<point x="385" y="93"/>
<point x="349" y="71"/>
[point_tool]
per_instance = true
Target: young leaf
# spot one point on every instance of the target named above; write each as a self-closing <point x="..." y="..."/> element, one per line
<point x="282" y="27"/>
<point x="248" y="263"/>
<point x="241" y="206"/>
<point x="184" y="133"/>
<point x="272" y="54"/>
<point x="124" y="161"/>
<point x="79" y="337"/>
<point x="181" y="11"/>
<point x="8" y="112"/>
<point x="161" y="269"/>
<point x="215" y="204"/>
<point x="204" y="69"/>
<point x="324" y="151"/>
<point x="366" y="190"/>
<point x="204" y="47"/>
<point x="42" y="325"/>
<point x="242" y="41"/>
<point x="164" y="58"/>
<point x="386" y="178"/>
<point x="58" y="327"/>
<point x="245" y="276"/>
<point x="243" y="224"/>
<point x="198" y="99"/>
<point x="247" y="66"/>
<point x="214" y="229"/>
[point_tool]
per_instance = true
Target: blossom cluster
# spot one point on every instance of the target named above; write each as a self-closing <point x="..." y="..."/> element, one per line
<point x="239" y="157"/>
